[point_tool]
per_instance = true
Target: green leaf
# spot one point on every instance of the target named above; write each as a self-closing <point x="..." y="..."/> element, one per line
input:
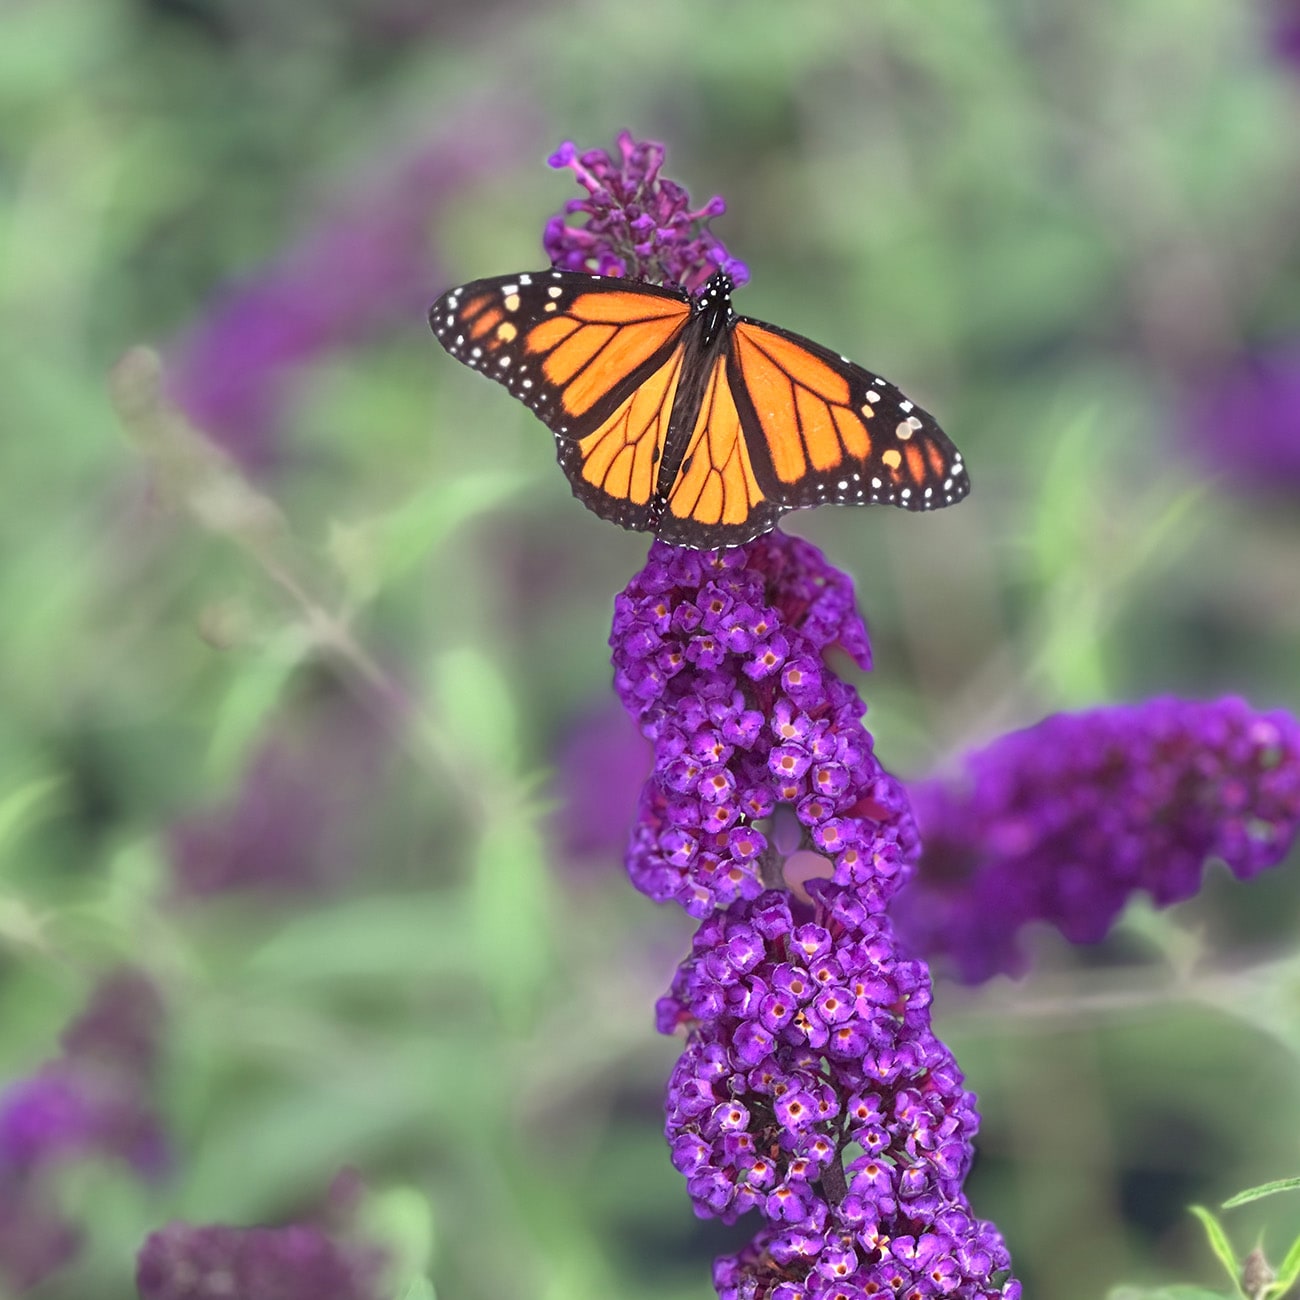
<point x="396" y="937"/>
<point x="251" y="698"/>
<point x="418" y="1288"/>
<point x="1288" y="1270"/>
<point x="1258" y="1193"/>
<point x="20" y="807"/>
<point x="375" y="552"/>
<point x="512" y="914"/>
<point x="477" y="714"/>
<point x="401" y="1219"/>
<point x="1219" y="1243"/>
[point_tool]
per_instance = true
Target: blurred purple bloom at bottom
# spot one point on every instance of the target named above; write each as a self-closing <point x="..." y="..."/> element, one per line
<point x="1244" y="422"/>
<point x="96" y="1100"/>
<point x="35" y="1239"/>
<point x="1066" y="820"/>
<point x="181" y="1262"/>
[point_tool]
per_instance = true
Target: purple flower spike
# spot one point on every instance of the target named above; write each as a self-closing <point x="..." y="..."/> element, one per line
<point x="1286" y="32"/>
<point x="719" y="771"/>
<point x="637" y="223"/>
<point x="180" y="1262"/>
<point x="1063" y="822"/>
<point x="811" y="1089"/>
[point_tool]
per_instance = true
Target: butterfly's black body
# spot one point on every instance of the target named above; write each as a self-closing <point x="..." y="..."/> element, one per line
<point x="704" y="338"/>
<point x="674" y="415"/>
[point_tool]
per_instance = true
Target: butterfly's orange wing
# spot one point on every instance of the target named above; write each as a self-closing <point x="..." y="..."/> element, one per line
<point x="821" y="429"/>
<point x="598" y="359"/>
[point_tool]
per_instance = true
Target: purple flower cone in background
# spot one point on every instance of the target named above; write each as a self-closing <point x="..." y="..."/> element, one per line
<point x="299" y="1262"/>
<point x="95" y="1101"/>
<point x="600" y="766"/>
<point x="812" y="1089"/>
<point x="1285" y="15"/>
<point x="366" y="265"/>
<point x="1063" y="822"/>
<point x="1244" y="422"/>
<point x="296" y="823"/>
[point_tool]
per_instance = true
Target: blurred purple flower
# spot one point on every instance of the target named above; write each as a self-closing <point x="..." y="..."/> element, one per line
<point x="362" y="266"/>
<point x="1244" y="421"/>
<point x="295" y="824"/>
<point x="96" y="1100"/>
<point x="35" y="1239"/>
<point x="1285" y="17"/>
<point x="1065" y="821"/>
<point x="299" y="1262"/>
<point x="601" y="765"/>
<point x="638" y="223"/>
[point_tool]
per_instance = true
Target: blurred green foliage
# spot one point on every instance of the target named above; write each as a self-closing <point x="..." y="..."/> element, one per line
<point x="1043" y="221"/>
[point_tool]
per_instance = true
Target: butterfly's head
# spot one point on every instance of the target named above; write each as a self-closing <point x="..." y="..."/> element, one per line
<point x="717" y="288"/>
<point x="714" y="302"/>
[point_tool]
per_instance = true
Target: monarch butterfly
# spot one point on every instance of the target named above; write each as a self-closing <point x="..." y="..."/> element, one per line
<point x="674" y="415"/>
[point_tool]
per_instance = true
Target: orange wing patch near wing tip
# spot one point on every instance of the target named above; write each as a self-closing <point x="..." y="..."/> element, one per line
<point x="485" y="322"/>
<point x="915" y="462"/>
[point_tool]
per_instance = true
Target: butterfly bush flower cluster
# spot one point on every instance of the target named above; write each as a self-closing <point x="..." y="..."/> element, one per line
<point x="812" y="1090"/>
<point x="96" y="1100"/>
<point x="638" y="223"/>
<point x="1064" y="821"/>
<point x="718" y="655"/>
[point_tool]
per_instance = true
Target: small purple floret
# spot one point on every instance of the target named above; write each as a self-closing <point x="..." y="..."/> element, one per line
<point x="638" y="224"/>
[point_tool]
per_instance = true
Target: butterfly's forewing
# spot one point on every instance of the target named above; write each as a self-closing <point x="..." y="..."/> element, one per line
<point x="822" y="429"/>
<point x="597" y="359"/>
